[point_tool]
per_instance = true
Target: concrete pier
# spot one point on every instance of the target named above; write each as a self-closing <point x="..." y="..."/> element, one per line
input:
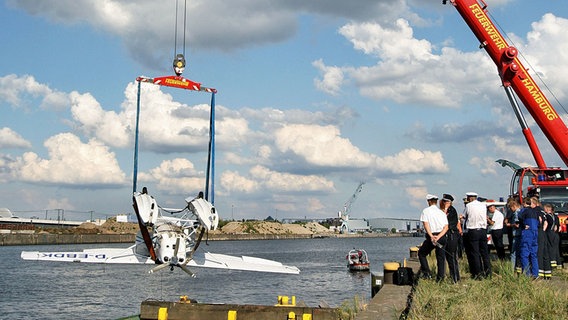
<point x="154" y="310"/>
<point x="391" y="300"/>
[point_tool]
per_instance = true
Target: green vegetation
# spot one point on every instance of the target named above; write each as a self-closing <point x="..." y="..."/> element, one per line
<point x="505" y="295"/>
<point x="349" y="308"/>
<point x="223" y="223"/>
<point x="250" y="227"/>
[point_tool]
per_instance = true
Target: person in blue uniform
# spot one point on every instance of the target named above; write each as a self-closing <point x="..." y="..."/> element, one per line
<point x="528" y="221"/>
<point x="512" y="221"/>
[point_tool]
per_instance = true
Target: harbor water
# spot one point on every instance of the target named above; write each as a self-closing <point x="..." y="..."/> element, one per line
<point x="54" y="290"/>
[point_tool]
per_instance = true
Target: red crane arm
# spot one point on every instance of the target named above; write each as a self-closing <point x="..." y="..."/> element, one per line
<point x="515" y="75"/>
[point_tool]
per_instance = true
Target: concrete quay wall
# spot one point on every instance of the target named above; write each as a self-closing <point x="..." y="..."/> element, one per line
<point x="15" y="239"/>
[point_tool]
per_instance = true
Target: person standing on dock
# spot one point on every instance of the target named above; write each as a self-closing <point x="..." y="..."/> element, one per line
<point x="495" y="220"/>
<point x="512" y="221"/>
<point x="544" y="267"/>
<point x="435" y="225"/>
<point x="554" y="236"/>
<point x="475" y="214"/>
<point x="529" y="224"/>
<point x="453" y="235"/>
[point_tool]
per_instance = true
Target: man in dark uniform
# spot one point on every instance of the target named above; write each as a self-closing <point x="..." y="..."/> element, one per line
<point x="453" y="236"/>
<point x="555" y="257"/>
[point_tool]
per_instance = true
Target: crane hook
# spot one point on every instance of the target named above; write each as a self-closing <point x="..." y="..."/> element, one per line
<point x="179" y="64"/>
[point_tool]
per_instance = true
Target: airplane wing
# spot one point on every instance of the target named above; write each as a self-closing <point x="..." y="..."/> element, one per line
<point x="129" y="256"/>
<point x="223" y="261"/>
<point x="108" y="255"/>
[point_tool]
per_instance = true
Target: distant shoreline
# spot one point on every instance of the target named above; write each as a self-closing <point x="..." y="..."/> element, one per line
<point x="21" y="239"/>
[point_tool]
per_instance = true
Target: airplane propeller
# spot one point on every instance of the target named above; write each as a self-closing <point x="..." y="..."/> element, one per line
<point x="183" y="266"/>
<point x="175" y="261"/>
<point x="186" y="270"/>
<point x="159" y="267"/>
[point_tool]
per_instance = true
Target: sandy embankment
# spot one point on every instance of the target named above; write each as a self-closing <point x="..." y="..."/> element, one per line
<point x="231" y="228"/>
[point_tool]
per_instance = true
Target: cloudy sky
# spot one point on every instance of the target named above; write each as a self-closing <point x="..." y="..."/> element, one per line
<point x="313" y="98"/>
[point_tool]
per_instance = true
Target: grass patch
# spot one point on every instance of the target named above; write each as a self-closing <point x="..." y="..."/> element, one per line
<point x="350" y="308"/>
<point x="505" y="295"/>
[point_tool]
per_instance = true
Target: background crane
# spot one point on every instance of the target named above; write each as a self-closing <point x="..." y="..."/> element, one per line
<point x="344" y="213"/>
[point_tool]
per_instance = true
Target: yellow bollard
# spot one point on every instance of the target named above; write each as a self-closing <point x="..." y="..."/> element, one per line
<point x="163" y="314"/>
<point x="389" y="270"/>
<point x="285" y="301"/>
<point x="306" y="316"/>
<point x="414" y="252"/>
<point x="291" y="316"/>
<point x="232" y="315"/>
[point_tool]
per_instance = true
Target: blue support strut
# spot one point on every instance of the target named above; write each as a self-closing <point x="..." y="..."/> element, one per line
<point x="135" y="173"/>
<point x="210" y="175"/>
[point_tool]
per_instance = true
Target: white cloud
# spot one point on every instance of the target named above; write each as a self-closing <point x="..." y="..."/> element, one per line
<point x="165" y="125"/>
<point x="395" y="44"/>
<point x="70" y="162"/>
<point x="547" y="37"/>
<point x="315" y="205"/>
<point x="332" y="78"/>
<point x="486" y="165"/>
<point x="408" y="71"/>
<point x="107" y="126"/>
<point x="11" y="139"/>
<point x="177" y="176"/>
<point x="413" y="161"/>
<point x="507" y="150"/>
<point x="263" y="179"/>
<point x="233" y="182"/>
<point x="322" y="146"/>
<point x="416" y="194"/>
<point x="20" y="91"/>
<point x="251" y="22"/>
<point x="286" y="182"/>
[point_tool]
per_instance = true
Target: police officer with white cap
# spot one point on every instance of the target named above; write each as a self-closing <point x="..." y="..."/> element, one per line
<point x="475" y="215"/>
<point x="435" y="225"/>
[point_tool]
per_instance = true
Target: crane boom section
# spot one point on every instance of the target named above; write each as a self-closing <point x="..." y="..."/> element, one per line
<point x="514" y="74"/>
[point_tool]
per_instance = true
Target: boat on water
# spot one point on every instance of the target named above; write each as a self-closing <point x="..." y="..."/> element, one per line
<point x="357" y="260"/>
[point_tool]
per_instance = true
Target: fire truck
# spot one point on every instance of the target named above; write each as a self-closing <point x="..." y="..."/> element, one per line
<point x="550" y="184"/>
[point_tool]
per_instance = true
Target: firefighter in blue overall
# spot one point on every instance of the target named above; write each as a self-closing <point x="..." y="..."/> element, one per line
<point x="529" y="238"/>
